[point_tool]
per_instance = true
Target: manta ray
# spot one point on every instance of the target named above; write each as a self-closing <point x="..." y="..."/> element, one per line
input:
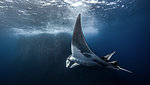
<point x="83" y="55"/>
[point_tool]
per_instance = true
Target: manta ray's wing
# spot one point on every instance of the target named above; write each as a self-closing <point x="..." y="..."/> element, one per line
<point x="78" y="40"/>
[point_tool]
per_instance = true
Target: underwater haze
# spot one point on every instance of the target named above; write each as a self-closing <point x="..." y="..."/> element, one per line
<point x="35" y="40"/>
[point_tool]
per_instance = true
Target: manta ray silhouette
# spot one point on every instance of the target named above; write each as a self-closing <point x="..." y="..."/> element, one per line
<point x="82" y="54"/>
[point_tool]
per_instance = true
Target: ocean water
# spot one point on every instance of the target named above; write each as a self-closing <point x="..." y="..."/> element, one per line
<point x="35" y="39"/>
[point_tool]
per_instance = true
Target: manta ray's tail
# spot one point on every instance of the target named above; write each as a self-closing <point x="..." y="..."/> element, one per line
<point x="114" y="63"/>
<point x="123" y="69"/>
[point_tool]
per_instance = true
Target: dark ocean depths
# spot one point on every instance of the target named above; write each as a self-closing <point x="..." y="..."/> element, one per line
<point x="40" y="59"/>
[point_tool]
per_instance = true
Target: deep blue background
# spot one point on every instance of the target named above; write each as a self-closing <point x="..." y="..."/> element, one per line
<point x="40" y="59"/>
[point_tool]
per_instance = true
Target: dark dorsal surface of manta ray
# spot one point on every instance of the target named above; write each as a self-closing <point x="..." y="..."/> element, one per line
<point x="82" y="54"/>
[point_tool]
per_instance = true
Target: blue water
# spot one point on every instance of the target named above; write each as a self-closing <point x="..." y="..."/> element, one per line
<point x="40" y="59"/>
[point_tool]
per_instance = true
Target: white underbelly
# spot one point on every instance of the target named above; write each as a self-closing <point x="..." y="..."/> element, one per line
<point x="79" y="58"/>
